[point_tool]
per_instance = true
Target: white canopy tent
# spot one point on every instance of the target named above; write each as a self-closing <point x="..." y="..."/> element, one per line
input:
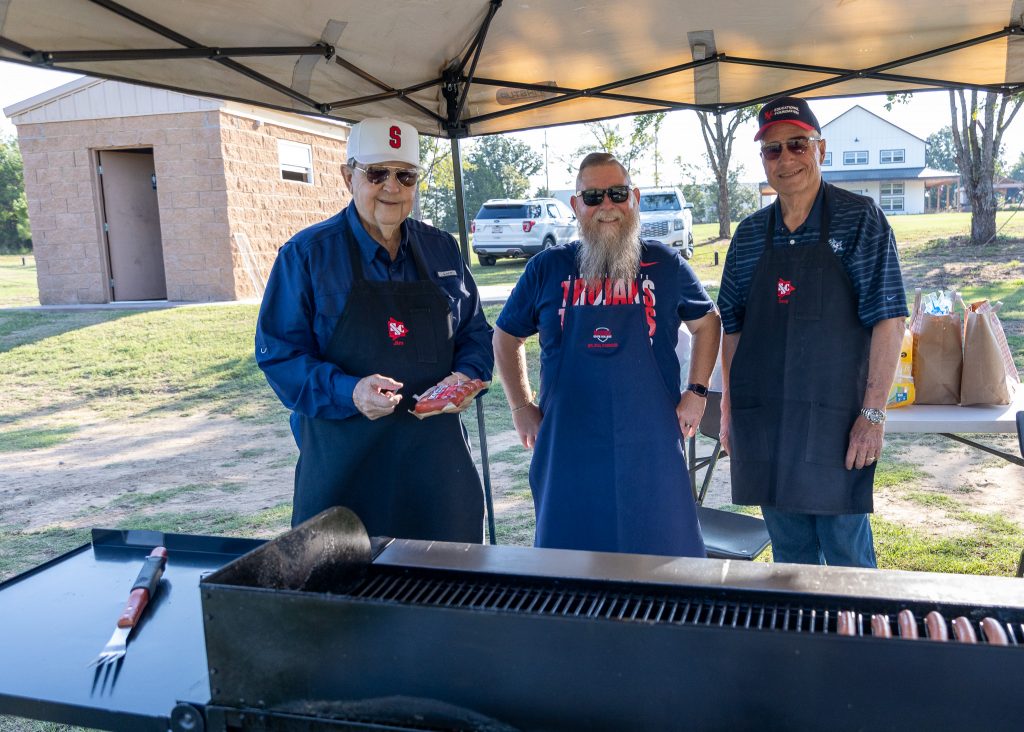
<point x="471" y="67"/>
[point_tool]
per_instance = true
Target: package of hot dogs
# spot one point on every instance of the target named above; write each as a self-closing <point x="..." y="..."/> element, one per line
<point x="445" y="398"/>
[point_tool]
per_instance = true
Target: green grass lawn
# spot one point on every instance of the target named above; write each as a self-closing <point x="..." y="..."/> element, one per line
<point x="18" y="281"/>
<point x="142" y="364"/>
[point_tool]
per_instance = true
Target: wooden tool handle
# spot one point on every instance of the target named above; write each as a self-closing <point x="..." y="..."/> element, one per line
<point x="144" y="588"/>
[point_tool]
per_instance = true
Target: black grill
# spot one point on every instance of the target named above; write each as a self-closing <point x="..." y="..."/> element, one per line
<point x="669" y="608"/>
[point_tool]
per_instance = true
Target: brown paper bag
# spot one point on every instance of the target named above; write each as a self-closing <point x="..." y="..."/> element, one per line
<point x="938" y="356"/>
<point x="989" y="374"/>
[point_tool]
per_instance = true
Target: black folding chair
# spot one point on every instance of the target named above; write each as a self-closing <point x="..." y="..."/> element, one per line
<point x="727" y="535"/>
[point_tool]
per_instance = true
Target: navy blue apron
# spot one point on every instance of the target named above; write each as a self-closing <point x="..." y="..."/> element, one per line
<point x="608" y="470"/>
<point x="797" y="383"/>
<point x="404" y="477"/>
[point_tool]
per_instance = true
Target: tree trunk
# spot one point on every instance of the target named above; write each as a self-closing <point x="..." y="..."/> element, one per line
<point x="724" y="207"/>
<point x="983" y="215"/>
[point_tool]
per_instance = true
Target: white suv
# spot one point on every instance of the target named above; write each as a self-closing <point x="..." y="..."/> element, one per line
<point x="521" y="228"/>
<point x="666" y="216"/>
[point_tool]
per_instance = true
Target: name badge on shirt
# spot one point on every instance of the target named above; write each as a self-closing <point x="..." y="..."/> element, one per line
<point x="447" y="273"/>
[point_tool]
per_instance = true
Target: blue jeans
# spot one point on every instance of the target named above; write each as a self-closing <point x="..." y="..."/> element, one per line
<point x="802" y="538"/>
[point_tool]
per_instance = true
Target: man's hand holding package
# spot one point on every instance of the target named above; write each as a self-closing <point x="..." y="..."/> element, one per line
<point x="376" y="396"/>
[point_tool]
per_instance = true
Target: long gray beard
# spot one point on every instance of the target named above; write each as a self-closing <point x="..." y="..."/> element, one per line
<point x="607" y="252"/>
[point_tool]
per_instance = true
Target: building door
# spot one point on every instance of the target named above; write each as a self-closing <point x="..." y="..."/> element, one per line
<point x="131" y="220"/>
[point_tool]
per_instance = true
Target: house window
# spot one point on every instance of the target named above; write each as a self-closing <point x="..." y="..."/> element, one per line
<point x="891" y="196"/>
<point x="828" y="159"/>
<point x="892" y="156"/>
<point x="855" y="157"/>
<point x="296" y="161"/>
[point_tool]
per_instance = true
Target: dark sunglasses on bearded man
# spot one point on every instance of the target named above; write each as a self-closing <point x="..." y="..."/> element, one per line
<point x="378" y="174"/>
<point x="594" y="196"/>
<point x="796" y="145"/>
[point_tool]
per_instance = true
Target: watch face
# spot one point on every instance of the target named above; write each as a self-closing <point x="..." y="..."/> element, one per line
<point x="874" y="416"/>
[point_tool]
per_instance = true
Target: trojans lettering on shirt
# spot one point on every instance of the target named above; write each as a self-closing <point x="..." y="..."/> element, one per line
<point x="611" y="292"/>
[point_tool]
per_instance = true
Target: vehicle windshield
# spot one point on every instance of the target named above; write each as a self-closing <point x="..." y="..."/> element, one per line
<point x="659" y="202"/>
<point x="508" y="211"/>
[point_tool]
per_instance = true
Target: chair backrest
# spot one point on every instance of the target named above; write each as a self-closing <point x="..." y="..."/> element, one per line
<point x="711" y="422"/>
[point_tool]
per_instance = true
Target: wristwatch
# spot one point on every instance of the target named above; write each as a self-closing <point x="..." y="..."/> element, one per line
<point x="698" y="389"/>
<point x="874" y="416"/>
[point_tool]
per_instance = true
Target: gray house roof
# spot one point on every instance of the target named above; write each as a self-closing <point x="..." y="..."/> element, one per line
<point x="841" y="176"/>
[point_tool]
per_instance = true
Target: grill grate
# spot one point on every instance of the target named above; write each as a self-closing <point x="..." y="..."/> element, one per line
<point x="670" y="607"/>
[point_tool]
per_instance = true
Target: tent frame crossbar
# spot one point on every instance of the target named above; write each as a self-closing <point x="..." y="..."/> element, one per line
<point x="455" y="81"/>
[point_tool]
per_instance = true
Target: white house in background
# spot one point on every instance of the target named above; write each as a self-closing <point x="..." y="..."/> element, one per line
<point x="867" y="154"/>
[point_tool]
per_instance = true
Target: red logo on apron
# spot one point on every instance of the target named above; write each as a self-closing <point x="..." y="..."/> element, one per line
<point x="785" y="289"/>
<point x="397" y="331"/>
<point x="602" y="335"/>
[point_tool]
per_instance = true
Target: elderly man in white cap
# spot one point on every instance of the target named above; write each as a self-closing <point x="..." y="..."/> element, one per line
<point x="361" y="312"/>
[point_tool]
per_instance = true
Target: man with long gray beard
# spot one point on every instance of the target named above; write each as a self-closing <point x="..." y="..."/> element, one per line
<point x="608" y="470"/>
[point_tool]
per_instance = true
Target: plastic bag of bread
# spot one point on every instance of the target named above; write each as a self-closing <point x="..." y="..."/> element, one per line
<point x="902" y="392"/>
<point x="447" y="398"/>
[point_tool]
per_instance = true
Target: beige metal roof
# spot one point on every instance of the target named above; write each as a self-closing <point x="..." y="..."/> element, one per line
<point x="603" y="58"/>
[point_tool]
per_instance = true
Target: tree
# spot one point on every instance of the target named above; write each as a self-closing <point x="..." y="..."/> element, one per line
<point x="719" y="131"/>
<point x="609" y="138"/>
<point x="498" y="166"/>
<point x="978" y="128"/>
<point x="743" y="198"/>
<point x="436" y="200"/>
<point x="15" y="235"/>
<point x="941" y="155"/>
<point x="941" y="151"/>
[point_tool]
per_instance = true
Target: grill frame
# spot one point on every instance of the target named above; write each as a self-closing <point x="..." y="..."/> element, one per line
<point x="516" y="662"/>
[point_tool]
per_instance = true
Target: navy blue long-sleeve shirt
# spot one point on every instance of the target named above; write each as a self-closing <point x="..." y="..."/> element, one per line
<point x="307" y="291"/>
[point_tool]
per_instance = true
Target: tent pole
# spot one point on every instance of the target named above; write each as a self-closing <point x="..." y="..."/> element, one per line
<point x="460" y="214"/>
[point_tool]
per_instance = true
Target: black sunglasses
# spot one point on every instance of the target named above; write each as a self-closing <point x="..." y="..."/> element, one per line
<point x="594" y="196"/>
<point x="377" y="174"/>
<point x="796" y="145"/>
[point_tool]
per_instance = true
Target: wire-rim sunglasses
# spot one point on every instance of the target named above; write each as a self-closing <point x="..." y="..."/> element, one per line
<point x="594" y="196"/>
<point x="378" y="174"/>
<point x="796" y="145"/>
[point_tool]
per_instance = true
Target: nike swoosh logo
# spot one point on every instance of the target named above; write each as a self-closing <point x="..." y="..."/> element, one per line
<point x="647" y="264"/>
<point x="891" y="297"/>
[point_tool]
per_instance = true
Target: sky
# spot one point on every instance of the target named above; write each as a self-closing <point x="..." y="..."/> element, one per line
<point x="926" y="113"/>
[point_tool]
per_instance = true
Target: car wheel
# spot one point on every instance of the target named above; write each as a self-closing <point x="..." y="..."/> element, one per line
<point x="486" y="260"/>
<point x="549" y="242"/>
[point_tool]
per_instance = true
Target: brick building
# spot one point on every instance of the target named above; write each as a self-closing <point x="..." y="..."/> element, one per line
<point x="137" y="193"/>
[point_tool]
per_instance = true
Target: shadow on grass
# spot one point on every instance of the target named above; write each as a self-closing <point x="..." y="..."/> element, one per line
<point x="22" y="327"/>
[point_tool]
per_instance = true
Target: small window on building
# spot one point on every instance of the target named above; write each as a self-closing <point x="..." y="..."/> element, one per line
<point x="892" y="156"/>
<point x="855" y="157"/>
<point x="296" y="161"/>
<point x="891" y="196"/>
<point x="828" y="159"/>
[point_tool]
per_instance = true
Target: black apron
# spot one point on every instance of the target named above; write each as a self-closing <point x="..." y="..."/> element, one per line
<point x="404" y="477"/>
<point x="797" y="383"/>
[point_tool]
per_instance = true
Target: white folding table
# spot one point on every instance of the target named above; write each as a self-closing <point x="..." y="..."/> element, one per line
<point x="949" y="420"/>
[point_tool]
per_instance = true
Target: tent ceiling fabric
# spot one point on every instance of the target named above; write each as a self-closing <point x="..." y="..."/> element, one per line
<point x="352" y="59"/>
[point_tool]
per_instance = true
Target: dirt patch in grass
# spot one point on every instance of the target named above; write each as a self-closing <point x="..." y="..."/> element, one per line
<point x="112" y="469"/>
<point x="978" y="482"/>
<point x="111" y="472"/>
